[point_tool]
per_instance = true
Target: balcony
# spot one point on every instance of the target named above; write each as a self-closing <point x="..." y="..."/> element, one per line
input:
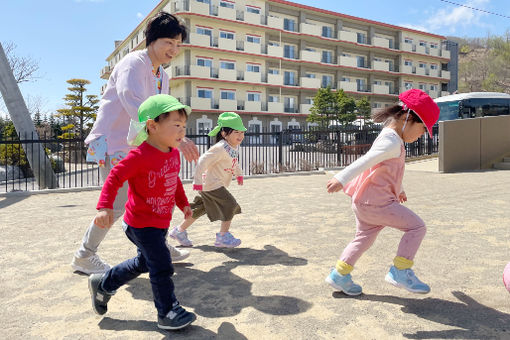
<point x="380" y="42"/>
<point x="445" y="74"/>
<point x="421" y="49"/>
<point x="445" y="54"/>
<point x="199" y="7"/>
<point x="275" y="107"/>
<point x="251" y="47"/>
<point x="311" y="83"/>
<point x="311" y="29"/>
<point x="305" y="108"/>
<point x="200" y="71"/>
<point x="275" y="22"/>
<point x="406" y="47"/>
<point x="227" y="13"/>
<point x="434" y="52"/>
<point x="380" y="65"/>
<point x="199" y="39"/>
<point x="407" y="69"/>
<point x="252" y="18"/>
<point x="348" y="61"/>
<point x="227" y="44"/>
<point x="348" y="36"/>
<point x="348" y="86"/>
<point x="252" y="106"/>
<point x="421" y="71"/>
<point x="228" y="105"/>
<point x="380" y="89"/>
<point x="105" y="72"/>
<point x="275" y="51"/>
<point x="198" y="103"/>
<point x="227" y="74"/>
<point x="252" y="77"/>
<point x="275" y="79"/>
<point x="434" y="73"/>
<point x="311" y="56"/>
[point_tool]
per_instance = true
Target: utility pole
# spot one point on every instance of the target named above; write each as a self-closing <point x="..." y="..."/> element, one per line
<point x="37" y="158"/>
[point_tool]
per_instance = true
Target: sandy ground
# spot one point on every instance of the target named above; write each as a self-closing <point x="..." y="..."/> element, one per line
<point x="272" y="287"/>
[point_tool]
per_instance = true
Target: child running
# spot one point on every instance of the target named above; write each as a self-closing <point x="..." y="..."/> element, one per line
<point x="374" y="182"/>
<point x="217" y="165"/>
<point x="152" y="172"/>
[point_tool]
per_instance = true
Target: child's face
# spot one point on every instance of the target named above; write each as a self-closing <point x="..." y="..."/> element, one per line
<point x="168" y="132"/>
<point x="166" y="48"/>
<point x="235" y="138"/>
<point x="413" y="131"/>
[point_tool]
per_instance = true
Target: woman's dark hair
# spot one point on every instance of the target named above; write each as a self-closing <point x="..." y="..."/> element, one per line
<point x="164" y="25"/>
<point x="227" y="131"/>
<point x="393" y="112"/>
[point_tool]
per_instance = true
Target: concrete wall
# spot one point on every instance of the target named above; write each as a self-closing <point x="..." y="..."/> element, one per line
<point x="473" y="144"/>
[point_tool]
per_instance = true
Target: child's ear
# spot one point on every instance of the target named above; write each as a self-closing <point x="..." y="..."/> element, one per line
<point x="150" y="125"/>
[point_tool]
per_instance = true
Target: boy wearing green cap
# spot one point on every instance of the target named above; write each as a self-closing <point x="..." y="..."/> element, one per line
<point x="152" y="172"/>
<point x="213" y="175"/>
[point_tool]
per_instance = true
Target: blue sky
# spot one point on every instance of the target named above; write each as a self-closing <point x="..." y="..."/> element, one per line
<point x="72" y="38"/>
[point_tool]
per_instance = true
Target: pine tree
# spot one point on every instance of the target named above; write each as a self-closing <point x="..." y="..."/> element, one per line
<point x="81" y="111"/>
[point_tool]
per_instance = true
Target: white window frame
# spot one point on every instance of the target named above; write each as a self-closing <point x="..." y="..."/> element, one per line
<point x="252" y="9"/>
<point x="253" y="67"/>
<point x="256" y="96"/>
<point x="227" y="62"/>
<point x="255" y="39"/>
<point x="205" y="90"/>
<point x="202" y="29"/>
<point x="204" y="59"/>
<point x="225" y="34"/>
<point x="227" y="4"/>
<point x="229" y="93"/>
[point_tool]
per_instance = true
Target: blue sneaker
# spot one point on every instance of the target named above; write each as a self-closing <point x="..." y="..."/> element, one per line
<point x="343" y="283"/>
<point x="226" y="241"/>
<point x="406" y="279"/>
<point x="181" y="237"/>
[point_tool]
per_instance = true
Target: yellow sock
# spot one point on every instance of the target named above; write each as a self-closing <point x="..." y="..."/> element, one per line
<point x="343" y="268"/>
<point x="402" y="263"/>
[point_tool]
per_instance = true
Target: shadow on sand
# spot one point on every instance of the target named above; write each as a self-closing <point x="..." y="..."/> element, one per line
<point x="472" y="319"/>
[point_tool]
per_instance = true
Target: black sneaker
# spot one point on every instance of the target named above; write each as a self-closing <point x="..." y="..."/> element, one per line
<point x="177" y="318"/>
<point x="99" y="297"/>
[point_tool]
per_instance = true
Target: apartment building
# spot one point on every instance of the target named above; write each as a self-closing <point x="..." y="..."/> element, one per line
<point x="265" y="59"/>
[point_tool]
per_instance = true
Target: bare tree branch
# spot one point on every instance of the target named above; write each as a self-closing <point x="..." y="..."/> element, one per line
<point x="24" y="68"/>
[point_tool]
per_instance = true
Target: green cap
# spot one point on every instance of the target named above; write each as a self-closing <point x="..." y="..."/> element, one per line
<point x="151" y="108"/>
<point x="228" y="119"/>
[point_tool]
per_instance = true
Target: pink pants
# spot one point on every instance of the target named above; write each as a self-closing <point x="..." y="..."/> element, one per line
<point x="370" y="220"/>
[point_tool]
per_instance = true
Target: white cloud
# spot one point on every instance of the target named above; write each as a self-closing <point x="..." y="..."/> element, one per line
<point x="452" y="18"/>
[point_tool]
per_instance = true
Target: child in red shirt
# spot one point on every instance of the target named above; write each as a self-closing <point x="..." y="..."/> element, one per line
<point x="152" y="171"/>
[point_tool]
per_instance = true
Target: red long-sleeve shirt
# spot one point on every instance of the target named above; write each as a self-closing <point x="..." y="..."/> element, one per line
<point x="154" y="186"/>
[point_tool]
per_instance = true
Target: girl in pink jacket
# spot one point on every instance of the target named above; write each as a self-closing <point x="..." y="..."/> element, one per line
<point x="374" y="182"/>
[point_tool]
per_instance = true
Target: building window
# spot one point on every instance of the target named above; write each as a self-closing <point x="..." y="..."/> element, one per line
<point x="289" y="104"/>
<point x="228" y="94"/>
<point x="361" y="85"/>
<point x="327" y="81"/>
<point x="327" y="31"/>
<point x="204" y="62"/>
<point x="289" y="24"/>
<point x="433" y="87"/>
<point x="252" y="9"/>
<point x="253" y="39"/>
<point x="226" y="4"/>
<point x="289" y="51"/>
<point x="227" y="35"/>
<point x="361" y="38"/>
<point x="273" y="99"/>
<point x="408" y="40"/>
<point x="327" y="57"/>
<point x="360" y="61"/>
<point x="423" y="43"/>
<point x="309" y="100"/>
<point x="408" y="63"/>
<point x="205" y="1"/>
<point x="253" y="96"/>
<point x="253" y="68"/>
<point x="434" y="45"/>
<point x="310" y="75"/>
<point x="433" y="66"/>
<point x="204" y="93"/>
<point x="229" y="65"/>
<point x="273" y="71"/>
<point x="346" y="79"/>
<point x="422" y="65"/>
<point x="204" y="31"/>
<point x="273" y="43"/>
<point x="408" y="85"/>
<point x="422" y="86"/>
<point x="289" y="78"/>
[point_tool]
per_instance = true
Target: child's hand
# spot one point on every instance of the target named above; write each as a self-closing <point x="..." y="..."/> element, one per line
<point x="240" y="180"/>
<point x="104" y="218"/>
<point x="402" y="197"/>
<point x="334" y="185"/>
<point x="187" y="212"/>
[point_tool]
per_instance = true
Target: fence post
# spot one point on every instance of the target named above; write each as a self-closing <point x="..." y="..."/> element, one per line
<point x="280" y="151"/>
<point x="338" y="149"/>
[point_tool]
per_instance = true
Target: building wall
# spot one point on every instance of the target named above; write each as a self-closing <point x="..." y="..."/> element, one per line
<point x="307" y="48"/>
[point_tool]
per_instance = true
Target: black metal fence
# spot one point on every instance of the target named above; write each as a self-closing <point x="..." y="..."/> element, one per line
<point x="262" y="152"/>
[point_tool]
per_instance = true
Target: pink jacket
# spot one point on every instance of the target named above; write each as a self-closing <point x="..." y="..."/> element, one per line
<point x="130" y="83"/>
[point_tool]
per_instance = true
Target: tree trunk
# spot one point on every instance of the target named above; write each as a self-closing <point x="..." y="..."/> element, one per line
<point x="24" y="125"/>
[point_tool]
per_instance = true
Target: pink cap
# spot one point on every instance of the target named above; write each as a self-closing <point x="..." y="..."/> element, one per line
<point x="423" y="105"/>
